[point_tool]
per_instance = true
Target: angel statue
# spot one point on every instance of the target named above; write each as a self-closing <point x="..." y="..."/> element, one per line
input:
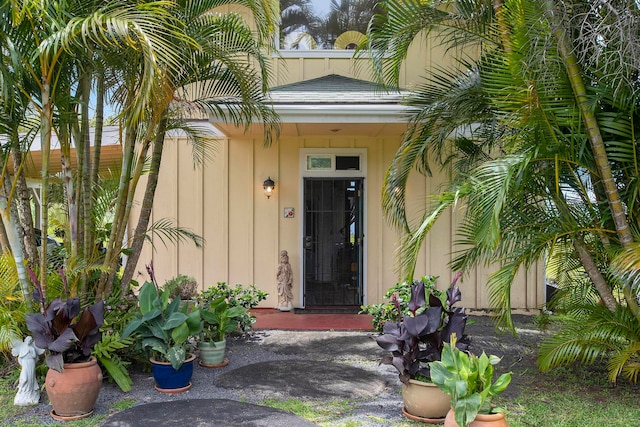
<point x="28" y="389"/>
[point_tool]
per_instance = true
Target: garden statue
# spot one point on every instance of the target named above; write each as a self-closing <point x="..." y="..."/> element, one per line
<point x="28" y="389"/>
<point x="285" y="283"/>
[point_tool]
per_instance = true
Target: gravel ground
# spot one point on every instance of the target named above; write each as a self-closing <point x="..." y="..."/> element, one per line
<point x="348" y="348"/>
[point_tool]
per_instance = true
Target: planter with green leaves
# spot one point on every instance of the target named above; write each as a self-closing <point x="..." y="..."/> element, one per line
<point x="162" y="329"/>
<point x="468" y="380"/>
<point x="417" y="339"/>
<point x="220" y="319"/>
<point x="68" y="334"/>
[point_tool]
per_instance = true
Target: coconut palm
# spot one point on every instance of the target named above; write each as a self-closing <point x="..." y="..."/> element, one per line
<point x="222" y="70"/>
<point x="522" y="127"/>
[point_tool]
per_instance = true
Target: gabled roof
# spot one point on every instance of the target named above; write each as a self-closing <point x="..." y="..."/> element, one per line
<point x="335" y="89"/>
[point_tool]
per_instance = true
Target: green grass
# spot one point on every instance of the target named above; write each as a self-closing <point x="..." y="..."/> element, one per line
<point x="8" y="393"/>
<point x="573" y="397"/>
<point x="323" y="413"/>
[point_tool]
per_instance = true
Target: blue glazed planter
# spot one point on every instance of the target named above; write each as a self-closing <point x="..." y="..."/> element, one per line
<point x="168" y="380"/>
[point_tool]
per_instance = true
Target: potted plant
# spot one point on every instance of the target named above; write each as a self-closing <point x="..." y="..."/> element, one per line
<point x="468" y="380"/>
<point x="68" y="333"/>
<point x="220" y="319"/>
<point x="162" y="329"/>
<point x="417" y="339"/>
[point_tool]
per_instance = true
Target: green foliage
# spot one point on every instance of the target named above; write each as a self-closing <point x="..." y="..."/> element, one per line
<point x="468" y="380"/>
<point x="182" y="286"/>
<point x="237" y="296"/>
<point x="592" y="334"/>
<point x="163" y="326"/>
<point x="398" y="297"/>
<point x="114" y="352"/>
<point x="106" y="351"/>
<point x="220" y="319"/>
<point x="8" y="379"/>
<point x="12" y="307"/>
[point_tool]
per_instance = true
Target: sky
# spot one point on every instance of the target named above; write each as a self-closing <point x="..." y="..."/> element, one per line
<point x="321" y="7"/>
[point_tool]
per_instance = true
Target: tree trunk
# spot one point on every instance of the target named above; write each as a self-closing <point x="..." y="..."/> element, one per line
<point x="4" y="240"/>
<point x="146" y="208"/>
<point x="599" y="281"/>
<point x="114" y="245"/>
<point x="10" y="226"/>
<point x="23" y="203"/>
<point x="45" y="143"/>
<point x="84" y="158"/>
<point x="595" y="138"/>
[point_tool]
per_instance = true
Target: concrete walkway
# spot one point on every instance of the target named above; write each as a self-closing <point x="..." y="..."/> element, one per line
<point x="204" y="413"/>
<point x="312" y="366"/>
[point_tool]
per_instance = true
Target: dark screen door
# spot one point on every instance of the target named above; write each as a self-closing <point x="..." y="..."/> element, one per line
<point x="333" y="242"/>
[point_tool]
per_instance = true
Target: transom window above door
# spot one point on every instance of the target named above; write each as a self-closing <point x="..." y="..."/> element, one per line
<point x="333" y="162"/>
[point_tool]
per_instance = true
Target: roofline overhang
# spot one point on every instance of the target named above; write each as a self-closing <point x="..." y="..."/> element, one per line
<point x="338" y="113"/>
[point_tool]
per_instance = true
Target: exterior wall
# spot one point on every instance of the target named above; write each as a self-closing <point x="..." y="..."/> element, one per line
<point x="224" y="202"/>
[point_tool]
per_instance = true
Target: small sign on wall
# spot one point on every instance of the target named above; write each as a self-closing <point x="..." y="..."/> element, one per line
<point x="289" y="212"/>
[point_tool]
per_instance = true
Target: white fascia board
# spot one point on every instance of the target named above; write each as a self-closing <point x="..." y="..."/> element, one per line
<point x="343" y="113"/>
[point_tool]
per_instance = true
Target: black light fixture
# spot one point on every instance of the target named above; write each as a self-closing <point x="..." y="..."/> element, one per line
<point x="269" y="185"/>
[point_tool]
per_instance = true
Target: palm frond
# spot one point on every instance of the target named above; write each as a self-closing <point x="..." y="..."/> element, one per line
<point x="166" y="232"/>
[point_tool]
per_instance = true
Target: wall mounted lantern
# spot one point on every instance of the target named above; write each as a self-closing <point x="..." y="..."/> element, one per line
<point x="268" y="186"/>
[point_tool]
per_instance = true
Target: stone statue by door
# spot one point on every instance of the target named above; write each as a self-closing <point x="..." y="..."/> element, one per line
<point x="285" y="283"/>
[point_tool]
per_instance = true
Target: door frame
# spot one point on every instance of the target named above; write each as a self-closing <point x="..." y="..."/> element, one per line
<point x="331" y="172"/>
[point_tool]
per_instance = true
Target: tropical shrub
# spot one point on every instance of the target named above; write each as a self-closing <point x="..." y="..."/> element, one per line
<point x="182" y="286"/>
<point x="12" y="306"/>
<point x="113" y="351"/>
<point x="162" y="327"/>
<point x="590" y="333"/>
<point x="419" y="337"/>
<point x="468" y="380"/>
<point x="67" y="332"/>
<point x="237" y="296"/>
<point x="398" y="297"/>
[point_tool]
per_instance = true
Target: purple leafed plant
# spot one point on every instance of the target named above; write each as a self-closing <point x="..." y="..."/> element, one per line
<point x="419" y="337"/>
<point x="63" y="329"/>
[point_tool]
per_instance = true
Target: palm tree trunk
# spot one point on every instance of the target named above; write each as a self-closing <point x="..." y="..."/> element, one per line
<point x="599" y="281"/>
<point x="69" y="191"/>
<point x="5" y="246"/>
<point x="146" y="208"/>
<point x="114" y="245"/>
<point x="597" y="143"/>
<point x="84" y="159"/>
<point x="45" y="143"/>
<point x="89" y="223"/>
<point x="10" y="226"/>
<point x="23" y="203"/>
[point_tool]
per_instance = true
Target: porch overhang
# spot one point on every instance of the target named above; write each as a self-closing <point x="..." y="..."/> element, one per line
<point x="331" y="105"/>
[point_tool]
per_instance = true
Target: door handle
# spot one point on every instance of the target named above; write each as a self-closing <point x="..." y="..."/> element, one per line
<point x="307" y="242"/>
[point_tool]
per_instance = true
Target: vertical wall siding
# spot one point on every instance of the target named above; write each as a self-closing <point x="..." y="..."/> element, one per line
<point x="244" y="231"/>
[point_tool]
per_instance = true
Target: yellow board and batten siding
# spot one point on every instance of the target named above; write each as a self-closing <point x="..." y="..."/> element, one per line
<point x="223" y="201"/>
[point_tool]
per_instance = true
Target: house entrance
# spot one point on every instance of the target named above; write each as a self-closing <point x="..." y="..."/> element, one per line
<point x="333" y="246"/>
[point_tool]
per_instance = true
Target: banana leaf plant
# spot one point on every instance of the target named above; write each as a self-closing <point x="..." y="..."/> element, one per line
<point x="419" y="337"/>
<point x="67" y="332"/>
<point x="162" y="327"/>
<point x="220" y="319"/>
<point x="468" y="380"/>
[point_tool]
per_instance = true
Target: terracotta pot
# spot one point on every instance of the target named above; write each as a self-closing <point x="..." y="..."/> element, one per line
<point x="481" y="420"/>
<point x="74" y="391"/>
<point x="425" y="400"/>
